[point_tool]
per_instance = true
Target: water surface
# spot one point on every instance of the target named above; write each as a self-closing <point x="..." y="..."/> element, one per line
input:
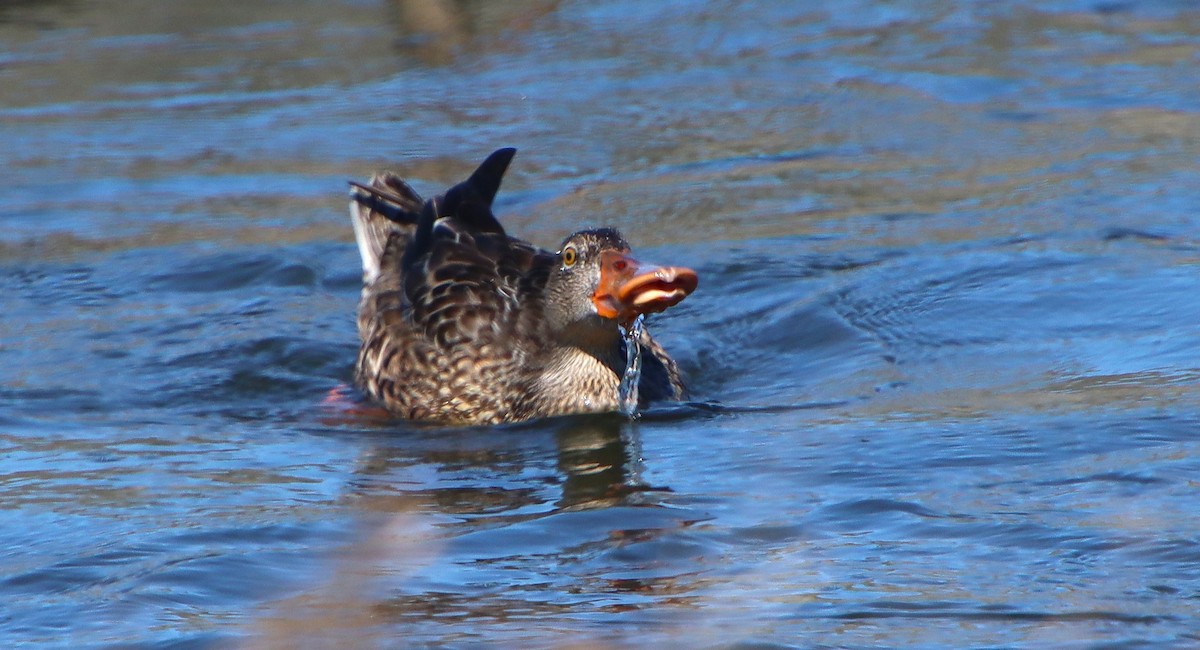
<point x="943" y="354"/>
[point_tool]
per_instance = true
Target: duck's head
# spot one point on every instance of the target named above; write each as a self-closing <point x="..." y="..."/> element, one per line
<point x="598" y="284"/>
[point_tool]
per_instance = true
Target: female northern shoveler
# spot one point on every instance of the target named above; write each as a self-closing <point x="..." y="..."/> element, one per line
<point x="461" y="323"/>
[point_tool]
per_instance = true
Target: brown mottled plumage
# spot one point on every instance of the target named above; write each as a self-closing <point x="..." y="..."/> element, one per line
<point x="461" y="323"/>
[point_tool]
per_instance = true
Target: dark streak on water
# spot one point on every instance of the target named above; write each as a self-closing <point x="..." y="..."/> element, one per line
<point x="943" y="354"/>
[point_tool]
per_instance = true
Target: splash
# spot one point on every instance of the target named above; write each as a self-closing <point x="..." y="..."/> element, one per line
<point x="627" y="392"/>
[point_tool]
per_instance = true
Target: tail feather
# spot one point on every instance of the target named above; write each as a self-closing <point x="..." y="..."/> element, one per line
<point x="387" y="207"/>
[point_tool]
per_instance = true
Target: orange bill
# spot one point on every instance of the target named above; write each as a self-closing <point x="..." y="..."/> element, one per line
<point x="629" y="288"/>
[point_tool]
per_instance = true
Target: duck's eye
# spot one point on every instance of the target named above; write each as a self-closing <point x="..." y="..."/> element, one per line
<point x="569" y="256"/>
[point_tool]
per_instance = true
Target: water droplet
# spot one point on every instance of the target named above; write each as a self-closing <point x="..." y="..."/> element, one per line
<point x="627" y="392"/>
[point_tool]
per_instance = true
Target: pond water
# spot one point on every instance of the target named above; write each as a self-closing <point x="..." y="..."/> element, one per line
<point x="943" y="356"/>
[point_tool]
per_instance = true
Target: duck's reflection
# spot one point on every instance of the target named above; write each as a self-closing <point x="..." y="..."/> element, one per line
<point x="530" y="469"/>
<point x="599" y="458"/>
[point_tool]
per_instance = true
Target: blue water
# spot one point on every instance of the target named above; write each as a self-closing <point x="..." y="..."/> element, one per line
<point x="942" y="357"/>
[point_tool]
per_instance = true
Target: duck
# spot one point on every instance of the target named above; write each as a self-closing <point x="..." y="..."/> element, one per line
<point x="461" y="323"/>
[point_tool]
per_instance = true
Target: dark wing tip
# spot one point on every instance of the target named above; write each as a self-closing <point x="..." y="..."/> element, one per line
<point x="486" y="179"/>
